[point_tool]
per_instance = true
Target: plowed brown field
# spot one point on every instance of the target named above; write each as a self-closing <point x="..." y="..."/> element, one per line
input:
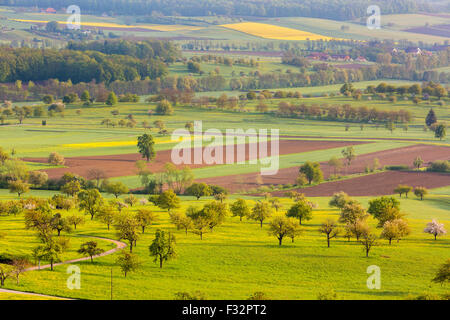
<point x="124" y="164"/>
<point x="377" y="184"/>
<point x="405" y="155"/>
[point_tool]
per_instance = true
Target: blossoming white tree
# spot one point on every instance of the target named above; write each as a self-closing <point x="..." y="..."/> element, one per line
<point x="435" y="228"/>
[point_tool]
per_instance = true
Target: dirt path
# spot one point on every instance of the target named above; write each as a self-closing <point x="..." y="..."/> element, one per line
<point x="119" y="245"/>
<point x="32" y="294"/>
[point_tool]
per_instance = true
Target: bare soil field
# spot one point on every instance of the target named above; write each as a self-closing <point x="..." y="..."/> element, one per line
<point x="441" y="30"/>
<point x="124" y="164"/>
<point x="400" y="156"/>
<point x="377" y="184"/>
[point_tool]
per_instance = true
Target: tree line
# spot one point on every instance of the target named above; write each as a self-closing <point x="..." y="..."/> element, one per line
<point x="26" y="64"/>
<point x="342" y="112"/>
<point x="336" y="9"/>
<point x="148" y="49"/>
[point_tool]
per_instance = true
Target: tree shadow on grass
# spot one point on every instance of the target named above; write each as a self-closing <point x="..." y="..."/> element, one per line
<point x="377" y="293"/>
<point x="440" y="242"/>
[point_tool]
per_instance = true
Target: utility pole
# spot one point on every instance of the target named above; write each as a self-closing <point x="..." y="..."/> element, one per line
<point x="111" y="284"/>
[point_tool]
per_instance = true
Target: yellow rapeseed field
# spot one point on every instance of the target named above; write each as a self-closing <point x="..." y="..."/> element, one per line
<point x="90" y="145"/>
<point x="109" y="144"/>
<point x="269" y="31"/>
<point x="122" y="26"/>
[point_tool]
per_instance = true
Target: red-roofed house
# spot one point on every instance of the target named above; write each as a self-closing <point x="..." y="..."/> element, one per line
<point x="319" y="56"/>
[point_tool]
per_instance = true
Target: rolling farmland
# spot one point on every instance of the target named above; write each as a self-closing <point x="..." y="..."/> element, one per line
<point x="133" y="150"/>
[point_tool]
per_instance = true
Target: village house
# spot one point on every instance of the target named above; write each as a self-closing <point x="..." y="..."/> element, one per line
<point x="415" y="51"/>
<point x="319" y="56"/>
<point x="49" y="10"/>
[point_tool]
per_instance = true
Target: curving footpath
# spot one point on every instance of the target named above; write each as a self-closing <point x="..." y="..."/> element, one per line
<point x="119" y="245"/>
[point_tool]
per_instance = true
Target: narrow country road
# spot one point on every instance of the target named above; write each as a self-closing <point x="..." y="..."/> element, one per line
<point x="119" y="245"/>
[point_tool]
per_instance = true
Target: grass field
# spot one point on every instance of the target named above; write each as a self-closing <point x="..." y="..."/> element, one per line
<point x="78" y="135"/>
<point x="358" y="30"/>
<point x="251" y="261"/>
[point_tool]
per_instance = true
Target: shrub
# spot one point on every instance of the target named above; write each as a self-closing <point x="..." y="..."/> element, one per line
<point x="196" y="295"/>
<point x="70" y="98"/>
<point x="439" y="166"/>
<point x="164" y="107"/>
<point x="400" y="167"/>
<point x="129" y="97"/>
<point x="251" y="95"/>
<point x="258" y="295"/>
<point x="393" y="99"/>
<point x="57" y="107"/>
<point x="327" y="294"/>
<point x="38" y="178"/>
<point x="47" y="99"/>
<point x="56" y="159"/>
<point x="112" y="99"/>
<point x="333" y="177"/>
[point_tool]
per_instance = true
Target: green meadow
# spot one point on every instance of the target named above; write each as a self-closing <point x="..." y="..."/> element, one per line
<point x="74" y="134"/>
<point x="239" y="258"/>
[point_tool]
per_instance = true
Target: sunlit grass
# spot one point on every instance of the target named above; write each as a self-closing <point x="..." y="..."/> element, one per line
<point x="239" y="258"/>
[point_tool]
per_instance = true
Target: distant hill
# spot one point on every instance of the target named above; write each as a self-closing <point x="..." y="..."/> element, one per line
<point x="327" y="9"/>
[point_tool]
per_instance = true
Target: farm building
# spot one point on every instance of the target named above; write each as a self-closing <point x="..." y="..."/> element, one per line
<point x="50" y="10"/>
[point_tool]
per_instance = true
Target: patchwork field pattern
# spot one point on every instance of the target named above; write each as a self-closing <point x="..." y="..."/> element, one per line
<point x="377" y="184"/>
<point x="124" y="165"/>
<point x="109" y="25"/>
<point x="399" y="156"/>
<point x="268" y="31"/>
